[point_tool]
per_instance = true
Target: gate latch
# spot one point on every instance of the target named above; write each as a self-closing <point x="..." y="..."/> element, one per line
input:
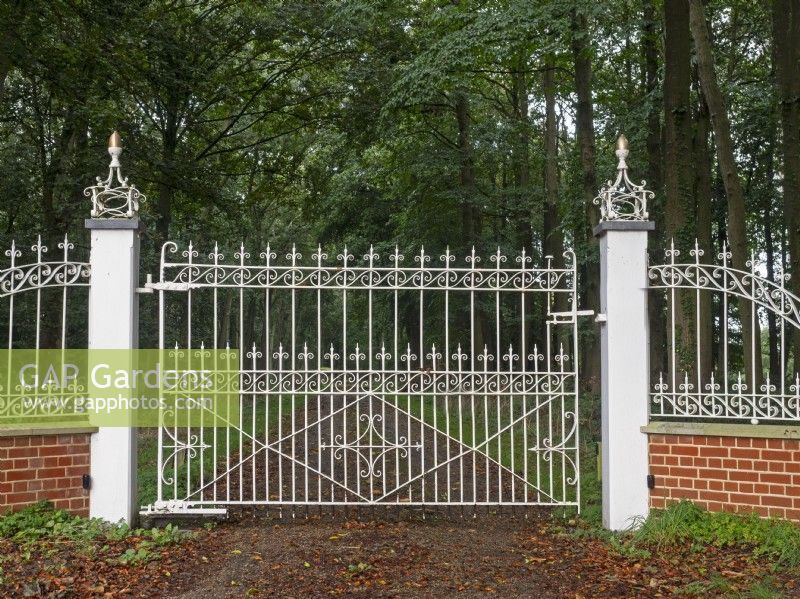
<point x="570" y="316"/>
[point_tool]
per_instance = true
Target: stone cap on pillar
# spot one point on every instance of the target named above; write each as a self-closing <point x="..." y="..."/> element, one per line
<point x="622" y="225"/>
<point x="114" y="223"/>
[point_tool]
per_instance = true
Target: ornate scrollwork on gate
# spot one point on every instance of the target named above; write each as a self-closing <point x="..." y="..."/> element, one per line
<point x="741" y="392"/>
<point x="371" y="446"/>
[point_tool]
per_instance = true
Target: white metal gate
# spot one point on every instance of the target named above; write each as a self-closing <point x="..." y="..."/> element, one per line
<point x="371" y="381"/>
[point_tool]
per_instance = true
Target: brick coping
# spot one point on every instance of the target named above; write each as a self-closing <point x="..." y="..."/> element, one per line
<point x="716" y="429"/>
<point x="27" y="432"/>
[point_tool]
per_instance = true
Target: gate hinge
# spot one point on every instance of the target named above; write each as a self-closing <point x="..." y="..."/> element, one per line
<point x="147" y="286"/>
<point x="178" y="506"/>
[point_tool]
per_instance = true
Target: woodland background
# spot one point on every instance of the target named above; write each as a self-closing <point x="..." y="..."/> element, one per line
<point x="440" y="122"/>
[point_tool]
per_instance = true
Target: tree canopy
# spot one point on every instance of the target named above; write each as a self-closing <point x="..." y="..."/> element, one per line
<point x="444" y="122"/>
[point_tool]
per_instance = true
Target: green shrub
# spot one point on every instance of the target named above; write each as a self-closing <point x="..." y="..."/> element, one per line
<point x="41" y="522"/>
<point x="778" y="540"/>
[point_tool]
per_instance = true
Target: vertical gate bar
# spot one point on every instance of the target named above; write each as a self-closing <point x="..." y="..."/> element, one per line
<point x="370" y="283"/>
<point x="396" y="356"/>
<point x="472" y="261"/>
<point x="161" y="356"/>
<point x="672" y="307"/>
<point x="292" y="366"/>
<point x="435" y="428"/>
<point x="330" y="421"/>
<point x="254" y="365"/>
<point x="228" y="425"/>
<point x="307" y="457"/>
<point x="523" y="355"/>
<point x="13" y="253"/>
<point x="175" y="438"/>
<point x="498" y="363"/>
<point x="549" y="362"/>
<point x="215" y="326"/>
<point x="697" y="253"/>
<point x="753" y="314"/>
<point x="448" y="397"/>
<point x="409" y="357"/>
<point x="66" y="246"/>
<point x="319" y="372"/>
<point x="65" y="258"/>
<point x="371" y="428"/>
<point x="383" y="386"/>
<point x="538" y="428"/>
<point x="241" y="367"/>
<point x="422" y="366"/>
<point x="783" y="341"/>
<point x="267" y="255"/>
<point x="279" y="453"/>
<point x="345" y="456"/>
<point x="357" y="378"/>
<point x="724" y="322"/>
<point x="460" y="356"/>
<point x="190" y="253"/>
<point x="563" y="439"/>
<point x="202" y="422"/>
<point x="511" y="417"/>
<point x="485" y="442"/>
<point x="576" y="370"/>
<point x="39" y="250"/>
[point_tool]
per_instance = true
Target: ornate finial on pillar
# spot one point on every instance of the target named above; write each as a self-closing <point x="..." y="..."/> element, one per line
<point x="112" y="197"/>
<point x="115" y="149"/>
<point x="622" y="199"/>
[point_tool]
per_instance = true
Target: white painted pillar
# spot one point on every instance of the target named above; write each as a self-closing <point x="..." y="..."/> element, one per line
<point x="625" y="369"/>
<point x="113" y="324"/>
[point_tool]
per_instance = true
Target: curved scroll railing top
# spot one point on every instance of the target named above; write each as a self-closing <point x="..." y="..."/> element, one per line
<point x="371" y="271"/>
<point x="748" y="391"/>
<point x="373" y="311"/>
<point x="39" y="311"/>
<point x="33" y="270"/>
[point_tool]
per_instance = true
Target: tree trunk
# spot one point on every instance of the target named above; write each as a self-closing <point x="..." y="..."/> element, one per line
<point x="165" y="189"/>
<point x="11" y="15"/>
<point x="786" y="53"/>
<point x="521" y="164"/>
<point x="657" y="304"/>
<point x="584" y="132"/>
<point x="552" y="237"/>
<point x="737" y="234"/>
<point x="471" y="215"/>
<point x="772" y="323"/>
<point x="678" y="172"/>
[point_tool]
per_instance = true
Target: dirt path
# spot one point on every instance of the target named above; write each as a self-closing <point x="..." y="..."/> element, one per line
<point x="255" y="555"/>
<point x="435" y="558"/>
<point x="509" y="557"/>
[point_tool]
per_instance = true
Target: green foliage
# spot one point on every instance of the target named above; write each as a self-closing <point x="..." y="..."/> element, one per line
<point x="356" y="569"/>
<point x="776" y="540"/>
<point x="40" y="523"/>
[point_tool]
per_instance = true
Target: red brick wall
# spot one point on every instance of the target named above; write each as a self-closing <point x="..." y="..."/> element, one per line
<point x="37" y="467"/>
<point x="738" y="474"/>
